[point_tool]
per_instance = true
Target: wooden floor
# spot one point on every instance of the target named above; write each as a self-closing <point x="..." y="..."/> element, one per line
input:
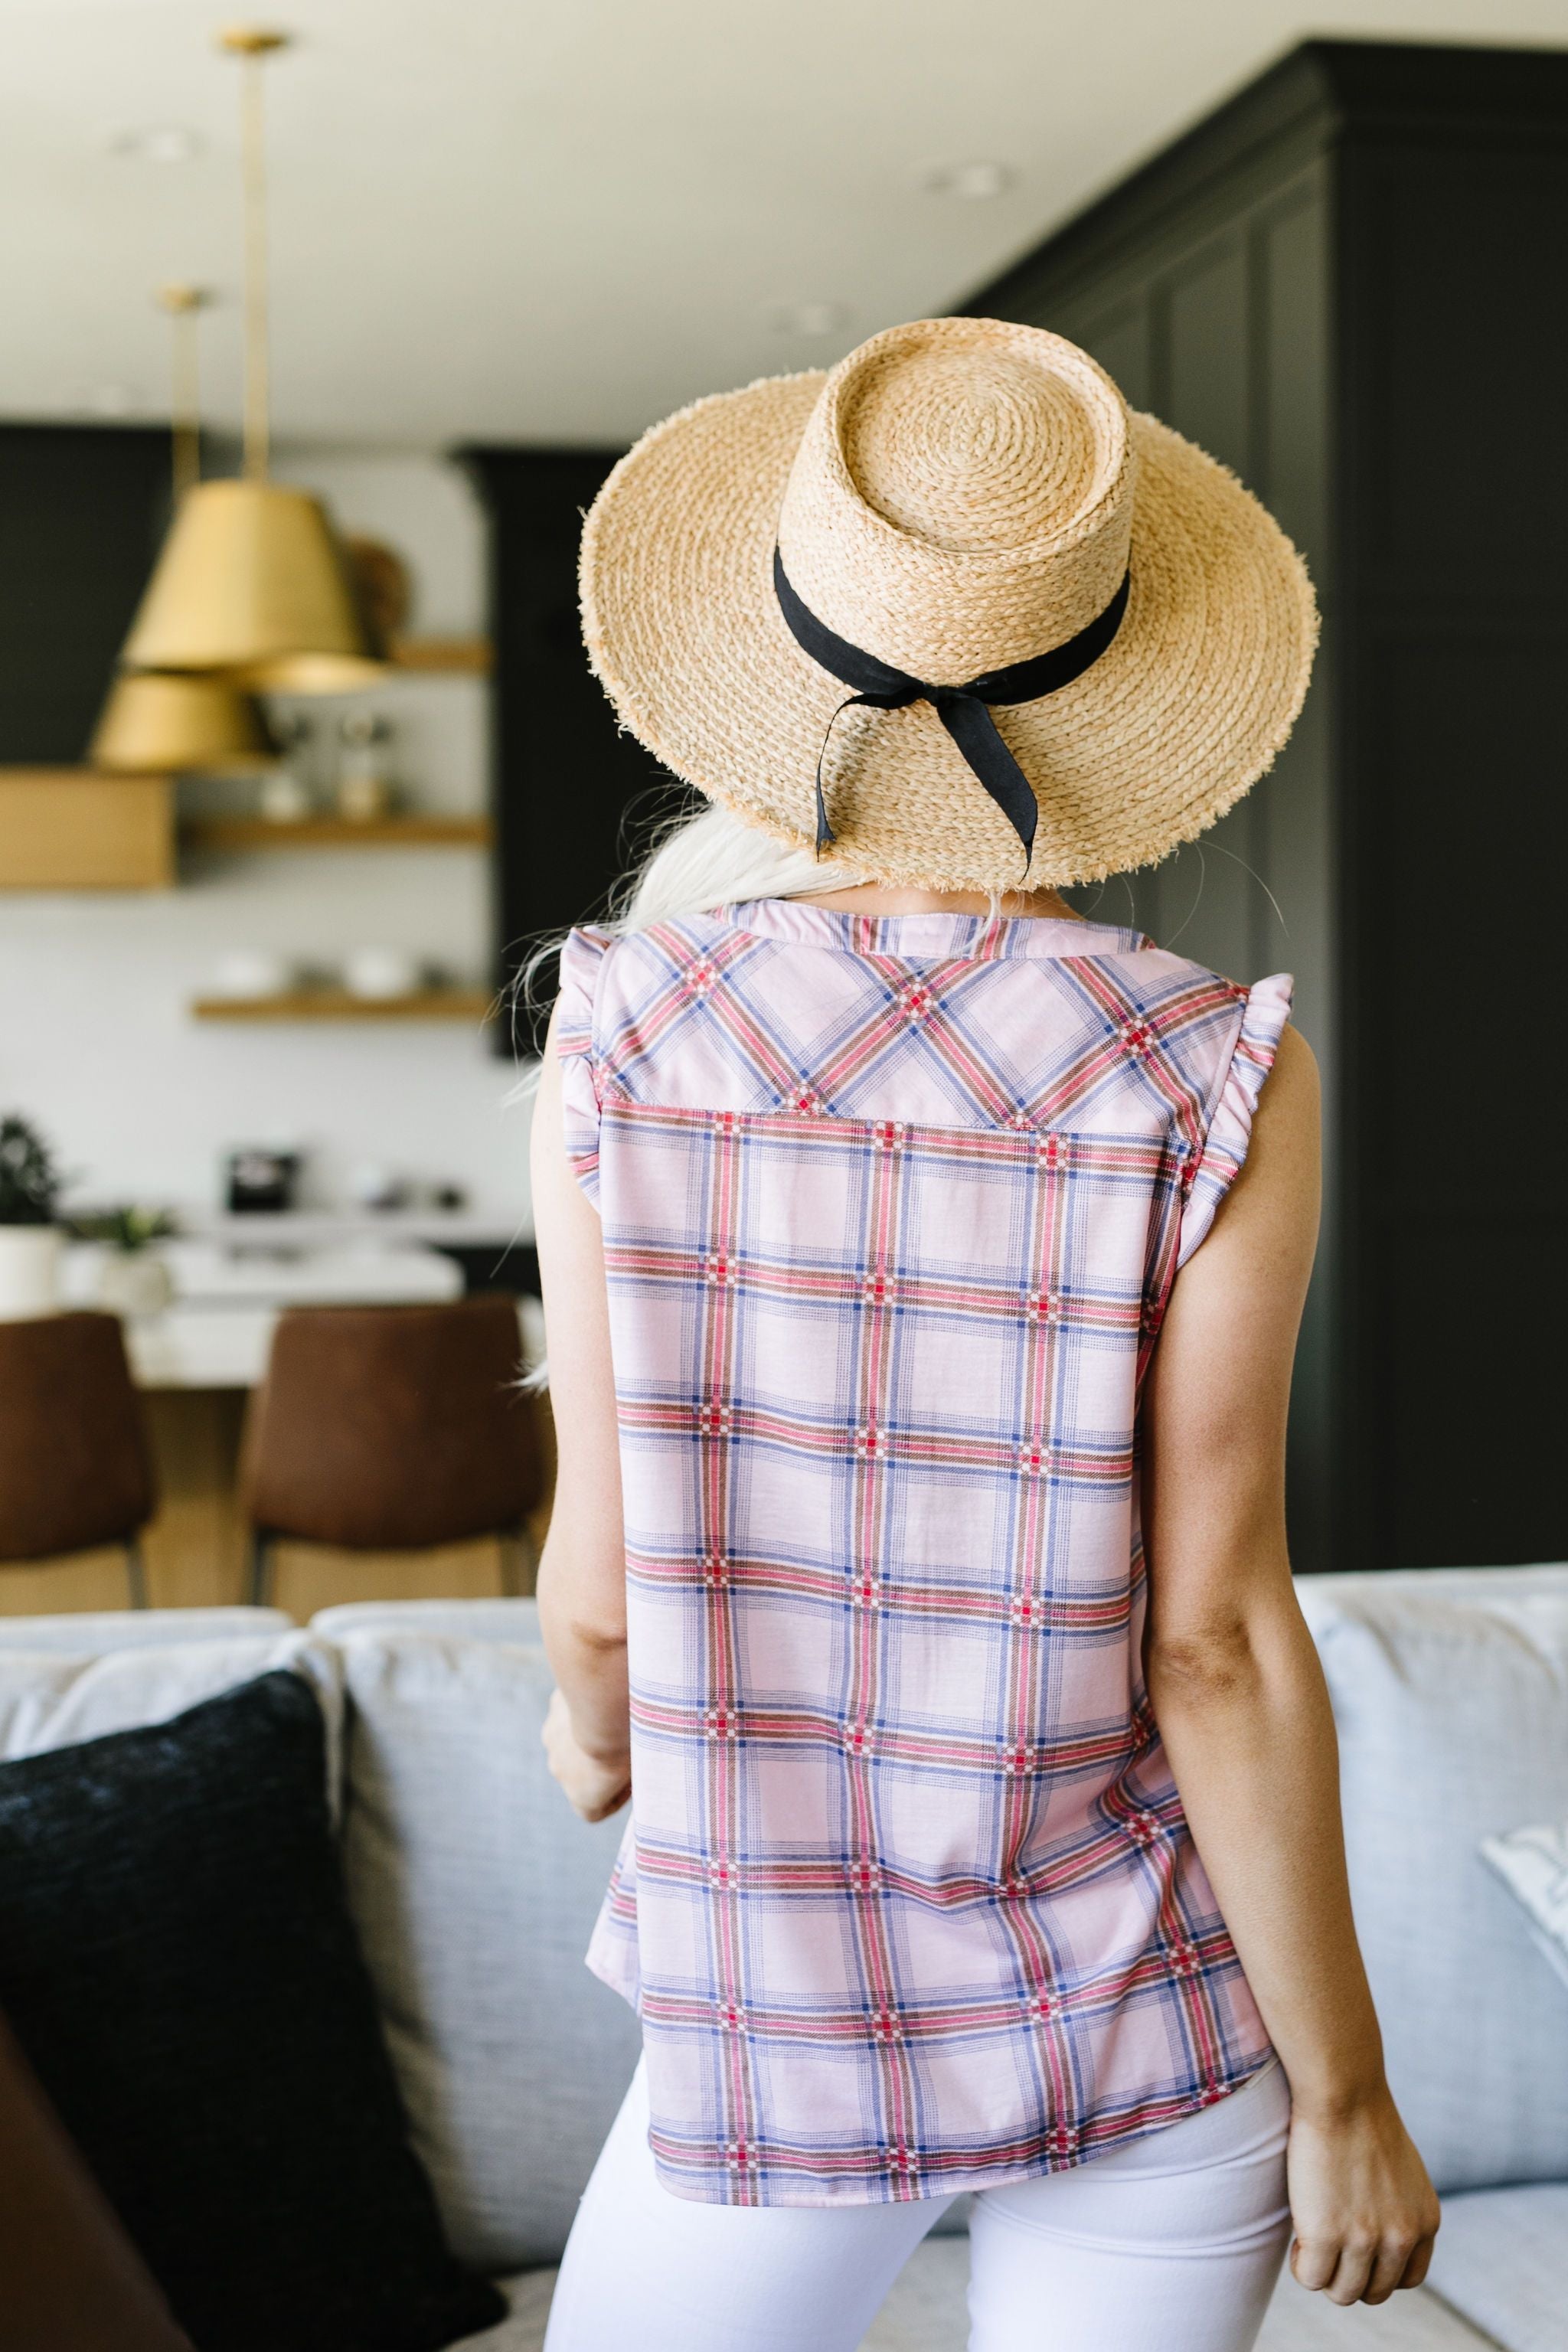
<point x="195" y="1548"/>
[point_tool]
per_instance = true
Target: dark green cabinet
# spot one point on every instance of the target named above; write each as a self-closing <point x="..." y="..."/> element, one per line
<point x="1347" y="285"/>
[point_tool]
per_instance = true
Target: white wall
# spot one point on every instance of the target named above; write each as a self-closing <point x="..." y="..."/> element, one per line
<point x="140" y="1101"/>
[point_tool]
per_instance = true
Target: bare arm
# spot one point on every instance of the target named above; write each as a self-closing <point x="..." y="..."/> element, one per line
<point x="582" y="1576"/>
<point x="1241" y="1702"/>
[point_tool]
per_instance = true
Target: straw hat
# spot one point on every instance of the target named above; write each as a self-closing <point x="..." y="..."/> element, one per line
<point x="956" y="497"/>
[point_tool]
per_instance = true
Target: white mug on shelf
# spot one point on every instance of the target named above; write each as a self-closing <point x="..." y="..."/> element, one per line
<point x="242" y="974"/>
<point x="381" y="972"/>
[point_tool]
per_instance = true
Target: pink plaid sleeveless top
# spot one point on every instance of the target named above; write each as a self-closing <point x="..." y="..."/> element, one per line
<point x="892" y="1210"/>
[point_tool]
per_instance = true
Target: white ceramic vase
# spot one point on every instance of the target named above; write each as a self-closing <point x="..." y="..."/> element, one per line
<point x="134" y="1282"/>
<point x="29" y="1271"/>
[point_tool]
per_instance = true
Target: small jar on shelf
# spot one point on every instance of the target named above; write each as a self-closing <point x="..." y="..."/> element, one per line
<point x="365" y="771"/>
<point x="286" y="797"/>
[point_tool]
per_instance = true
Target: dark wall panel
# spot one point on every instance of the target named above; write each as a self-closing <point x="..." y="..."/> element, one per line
<point x="1291" y="380"/>
<point x="1463" y="1158"/>
<point x="1207" y="392"/>
<point x="1468" y="741"/>
<point x="572" y="791"/>
<point x="1120" y="343"/>
<point x="81" y="510"/>
<point x="1467" y="334"/>
<point x="1472" y="1303"/>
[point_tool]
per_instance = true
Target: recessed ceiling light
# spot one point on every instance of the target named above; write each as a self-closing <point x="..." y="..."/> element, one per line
<point x="165" y="142"/>
<point x="974" y="180"/>
<point x="806" y="318"/>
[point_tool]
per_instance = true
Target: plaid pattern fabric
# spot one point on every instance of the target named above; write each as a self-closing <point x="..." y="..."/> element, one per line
<point x="891" y="1209"/>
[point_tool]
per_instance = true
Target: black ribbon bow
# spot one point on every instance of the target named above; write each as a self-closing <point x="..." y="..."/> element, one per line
<point x="964" y="710"/>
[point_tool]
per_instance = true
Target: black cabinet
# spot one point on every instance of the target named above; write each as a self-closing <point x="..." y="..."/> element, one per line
<point x="572" y="793"/>
<point x="1347" y="284"/>
<point x="81" y="510"/>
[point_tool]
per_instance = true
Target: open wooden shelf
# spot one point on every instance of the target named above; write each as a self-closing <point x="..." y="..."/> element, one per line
<point x="448" y="657"/>
<point x="76" y="829"/>
<point x="337" y="1005"/>
<point x="337" y="832"/>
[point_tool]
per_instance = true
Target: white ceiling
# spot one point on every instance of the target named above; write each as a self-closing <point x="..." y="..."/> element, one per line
<point x="556" y="219"/>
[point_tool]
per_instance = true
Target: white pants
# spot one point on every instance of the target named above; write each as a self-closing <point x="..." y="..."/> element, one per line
<point x="1172" y="2241"/>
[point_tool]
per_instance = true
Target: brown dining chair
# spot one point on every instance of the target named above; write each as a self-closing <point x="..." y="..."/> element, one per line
<point x="75" y="1468"/>
<point x="389" y="1428"/>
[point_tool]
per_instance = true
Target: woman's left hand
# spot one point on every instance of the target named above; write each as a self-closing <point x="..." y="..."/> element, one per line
<point x="596" y="1788"/>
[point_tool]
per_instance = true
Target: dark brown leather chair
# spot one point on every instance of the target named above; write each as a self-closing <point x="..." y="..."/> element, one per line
<point x="388" y="1428"/>
<point x="74" y="1470"/>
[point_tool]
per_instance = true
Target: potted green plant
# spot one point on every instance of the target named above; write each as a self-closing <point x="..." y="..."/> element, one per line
<point x="29" y="1237"/>
<point x="134" y="1278"/>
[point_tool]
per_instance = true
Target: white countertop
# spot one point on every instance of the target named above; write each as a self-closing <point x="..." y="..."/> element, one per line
<point x="229" y="1295"/>
<point x="463" y="1228"/>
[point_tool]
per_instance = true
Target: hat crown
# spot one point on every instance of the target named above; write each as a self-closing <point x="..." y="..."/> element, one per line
<point x="973" y="450"/>
<point x="962" y="496"/>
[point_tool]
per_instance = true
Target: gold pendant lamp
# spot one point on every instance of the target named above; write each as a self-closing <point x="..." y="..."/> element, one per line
<point x="158" y="722"/>
<point x="252" y="580"/>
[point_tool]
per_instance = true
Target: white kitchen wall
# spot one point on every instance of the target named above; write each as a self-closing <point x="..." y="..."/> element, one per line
<point x="142" y="1102"/>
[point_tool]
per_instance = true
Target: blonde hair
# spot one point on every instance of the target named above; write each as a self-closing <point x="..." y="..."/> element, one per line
<point x="716" y="859"/>
<point x="695" y="864"/>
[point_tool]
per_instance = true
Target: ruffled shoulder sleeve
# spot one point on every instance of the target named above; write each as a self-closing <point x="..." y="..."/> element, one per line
<point x="1263" y="1018"/>
<point x="582" y="962"/>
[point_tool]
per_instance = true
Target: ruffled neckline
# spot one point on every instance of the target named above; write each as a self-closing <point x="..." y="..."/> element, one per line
<point x="915" y="939"/>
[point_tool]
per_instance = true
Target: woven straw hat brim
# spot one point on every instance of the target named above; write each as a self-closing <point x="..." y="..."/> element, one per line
<point x="1164" y="733"/>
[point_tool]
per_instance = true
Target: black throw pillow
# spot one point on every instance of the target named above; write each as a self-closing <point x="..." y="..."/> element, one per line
<point x="178" y="1961"/>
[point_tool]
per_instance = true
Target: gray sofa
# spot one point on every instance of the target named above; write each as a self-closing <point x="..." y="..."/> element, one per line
<point x="474" y="1888"/>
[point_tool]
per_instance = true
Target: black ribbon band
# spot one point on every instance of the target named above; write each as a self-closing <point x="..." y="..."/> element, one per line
<point x="964" y="710"/>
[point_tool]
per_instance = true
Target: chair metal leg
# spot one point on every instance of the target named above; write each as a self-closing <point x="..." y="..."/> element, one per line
<point x="519" y="1564"/>
<point x="260" y="1566"/>
<point x="135" y="1573"/>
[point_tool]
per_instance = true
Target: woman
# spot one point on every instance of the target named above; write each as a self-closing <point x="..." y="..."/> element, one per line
<point x="922" y="1266"/>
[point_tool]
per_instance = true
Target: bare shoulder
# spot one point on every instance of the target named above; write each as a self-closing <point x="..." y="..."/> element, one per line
<point x="1286" y="1124"/>
<point x="1273" y="1206"/>
<point x="547" y="1083"/>
<point x="1295" y="1075"/>
<point x="1215" y="1404"/>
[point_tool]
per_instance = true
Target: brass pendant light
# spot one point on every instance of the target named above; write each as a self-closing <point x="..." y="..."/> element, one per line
<point x="158" y="722"/>
<point x="252" y="580"/>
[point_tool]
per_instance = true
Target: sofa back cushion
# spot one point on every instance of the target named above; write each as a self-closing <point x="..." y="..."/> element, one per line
<point x="86" y="1632"/>
<point x="475" y="1887"/>
<point x="1450" y="1691"/>
<point x="54" y="1697"/>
